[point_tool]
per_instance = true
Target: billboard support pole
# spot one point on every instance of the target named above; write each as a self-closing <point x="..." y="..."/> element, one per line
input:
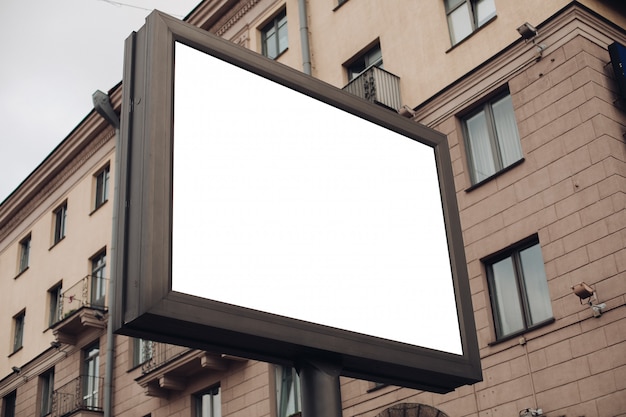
<point x="321" y="393"/>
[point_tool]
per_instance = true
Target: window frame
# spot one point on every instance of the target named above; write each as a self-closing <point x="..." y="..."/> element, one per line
<point x="54" y="303"/>
<point x="276" y="23"/>
<point x="139" y="351"/>
<point x="9" y="402"/>
<point x="473" y="12"/>
<point x="91" y="383"/>
<point x="46" y="390"/>
<point x="362" y="58"/>
<point x="24" y="253"/>
<point x="98" y="290"/>
<point x="101" y="186"/>
<point x="294" y="392"/>
<point x="486" y="106"/>
<point x="215" y="392"/>
<point x="19" y="322"/>
<point x="513" y="252"/>
<point x="59" y="218"/>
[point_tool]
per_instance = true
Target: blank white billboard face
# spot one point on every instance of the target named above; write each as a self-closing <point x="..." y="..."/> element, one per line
<point x="286" y="205"/>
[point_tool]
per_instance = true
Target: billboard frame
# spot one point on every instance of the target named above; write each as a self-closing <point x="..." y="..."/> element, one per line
<point x="146" y="305"/>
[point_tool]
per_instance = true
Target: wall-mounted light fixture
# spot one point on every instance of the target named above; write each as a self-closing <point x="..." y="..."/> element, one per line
<point x="586" y="294"/>
<point x="527" y="31"/>
<point x="531" y="412"/>
<point x="99" y="315"/>
<point x="16" y="369"/>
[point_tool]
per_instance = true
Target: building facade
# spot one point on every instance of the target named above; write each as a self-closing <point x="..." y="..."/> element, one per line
<point x="528" y="97"/>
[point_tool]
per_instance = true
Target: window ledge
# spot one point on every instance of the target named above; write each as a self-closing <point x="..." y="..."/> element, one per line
<point x="98" y="208"/>
<point x="521" y="332"/>
<point x="338" y="6"/>
<point x="497" y="174"/>
<point x="15" y="351"/>
<point x="56" y="243"/>
<point x="22" y="272"/>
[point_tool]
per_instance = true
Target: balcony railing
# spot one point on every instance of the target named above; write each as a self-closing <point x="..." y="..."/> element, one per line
<point x="82" y="393"/>
<point x="88" y="292"/>
<point x="159" y="354"/>
<point x="378" y="86"/>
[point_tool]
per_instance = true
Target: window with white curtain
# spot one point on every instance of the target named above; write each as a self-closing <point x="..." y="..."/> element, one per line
<point x="492" y="139"/>
<point x="518" y="289"/>
<point x="466" y="16"/>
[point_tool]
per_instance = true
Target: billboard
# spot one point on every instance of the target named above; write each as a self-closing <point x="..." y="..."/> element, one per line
<point x="266" y="214"/>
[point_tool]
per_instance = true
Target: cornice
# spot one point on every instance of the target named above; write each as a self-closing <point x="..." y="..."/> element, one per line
<point x="88" y="137"/>
<point x="574" y="20"/>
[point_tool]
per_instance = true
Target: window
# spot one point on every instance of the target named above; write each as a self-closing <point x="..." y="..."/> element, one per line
<point x="46" y="383"/>
<point x="54" y="303"/>
<point x="98" y="279"/>
<point x="142" y="351"/>
<point x="208" y="403"/>
<point x="288" y="399"/>
<point x="519" y="290"/>
<point x="91" y="379"/>
<point x="8" y="407"/>
<point x="24" y="254"/>
<point x="60" y="214"/>
<point x="492" y="138"/>
<point x="372" y="58"/>
<point x="102" y="186"/>
<point x="465" y="16"/>
<point x="18" y="330"/>
<point x="274" y="36"/>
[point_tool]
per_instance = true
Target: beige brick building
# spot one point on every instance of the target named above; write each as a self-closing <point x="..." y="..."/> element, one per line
<point x="536" y="131"/>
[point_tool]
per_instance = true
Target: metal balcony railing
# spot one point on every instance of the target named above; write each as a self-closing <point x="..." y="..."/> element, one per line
<point x="82" y="393"/>
<point x="378" y="86"/>
<point x="159" y="354"/>
<point x="90" y="291"/>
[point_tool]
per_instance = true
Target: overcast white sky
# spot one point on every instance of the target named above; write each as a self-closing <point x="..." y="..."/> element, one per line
<point x="55" y="54"/>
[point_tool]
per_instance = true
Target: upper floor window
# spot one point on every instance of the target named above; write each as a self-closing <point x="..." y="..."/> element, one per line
<point x="60" y="215"/>
<point x="465" y="16"/>
<point x="98" y="279"/>
<point x="24" y="254"/>
<point x="518" y="288"/>
<point x="54" y="303"/>
<point x="492" y="138"/>
<point x="208" y="403"/>
<point x="142" y="351"/>
<point x="288" y="397"/>
<point x="274" y="36"/>
<point x="18" y="330"/>
<point x="91" y="377"/>
<point x="102" y="186"/>
<point x="373" y="57"/>
<point x="46" y="383"/>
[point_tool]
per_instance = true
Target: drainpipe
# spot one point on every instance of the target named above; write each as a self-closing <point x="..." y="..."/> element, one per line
<point x="304" y="37"/>
<point x="102" y="105"/>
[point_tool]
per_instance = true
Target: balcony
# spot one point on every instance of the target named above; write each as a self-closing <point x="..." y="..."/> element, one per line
<point x="378" y="86"/>
<point x="80" y="397"/>
<point x="81" y="306"/>
<point x="169" y="367"/>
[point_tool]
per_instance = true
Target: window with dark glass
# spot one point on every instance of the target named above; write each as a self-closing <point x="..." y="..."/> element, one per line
<point x="518" y="288"/>
<point x="24" y="253"/>
<point x="491" y="137"/>
<point x="465" y="16"/>
<point x="91" y="377"/>
<point x="60" y="216"/>
<point x="8" y="404"/>
<point x="288" y="397"/>
<point x="208" y="403"/>
<point x="46" y="383"/>
<point x="98" y="279"/>
<point x="373" y="57"/>
<point x="274" y="36"/>
<point x="142" y="351"/>
<point x="102" y="186"/>
<point x="18" y="330"/>
<point x="54" y="303"/>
